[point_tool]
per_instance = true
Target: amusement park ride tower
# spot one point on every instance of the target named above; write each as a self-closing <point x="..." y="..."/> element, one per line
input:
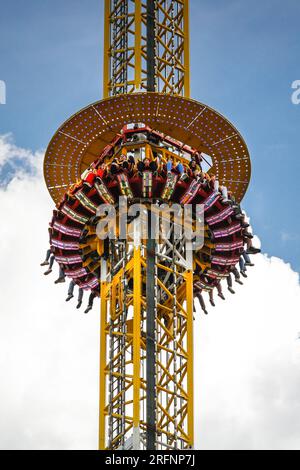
<point x="121" y="146"/>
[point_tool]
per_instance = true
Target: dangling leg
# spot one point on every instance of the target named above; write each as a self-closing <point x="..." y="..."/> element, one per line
<point x="216" y="186"/>
<point x="46" y="262"/>
<point x="180" y="169"/>
<point x="49" y="270"/>
<point x="61" y="276"/>
<point x="242" y="265"/>
<point x="202" y="303"/>
<point x="211" y="298"/>
<point x="70" y="291"/>
<point x="237" y="276"/>
<point x="251" y="250"/>
<point x="247" y="259"/>
<point x="224" y="192"/>
<point x="80" y="296"/>
<point x="220" y="291"/>
<point x="169" y="166"/>
<point x="229" y="283"/>
<point x="91" y="301"/>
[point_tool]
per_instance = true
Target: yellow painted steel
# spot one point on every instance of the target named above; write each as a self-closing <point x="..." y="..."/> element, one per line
<point x="125" y="47"/>
<point x="106" y="51"/>
<point x="174" y="379"/>
<point x="187" y="79"/>
<point x="190" y="353"/>
<point x="124" y="406"/>
<point x="138" y="46"/>
<point x="102" y="387"/>
<point x="136" y="335"/>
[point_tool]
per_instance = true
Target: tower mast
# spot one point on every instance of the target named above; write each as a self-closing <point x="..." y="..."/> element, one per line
<point x="146" y="48"/>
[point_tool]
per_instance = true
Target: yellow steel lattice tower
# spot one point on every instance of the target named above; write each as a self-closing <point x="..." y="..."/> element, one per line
<point x="146" y="47"/>
<point x="146" y="354"/>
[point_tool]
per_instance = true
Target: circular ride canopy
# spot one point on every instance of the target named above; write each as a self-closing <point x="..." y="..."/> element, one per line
<point x="80" y="140"/>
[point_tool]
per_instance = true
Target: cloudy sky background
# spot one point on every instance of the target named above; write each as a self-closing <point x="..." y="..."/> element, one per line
<point x="247" y="350"/>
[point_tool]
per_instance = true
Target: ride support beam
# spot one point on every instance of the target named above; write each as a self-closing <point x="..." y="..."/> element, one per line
<point x="146" y="47"/>
<point x="151" y="45"/>
<point x="150" y="340"/>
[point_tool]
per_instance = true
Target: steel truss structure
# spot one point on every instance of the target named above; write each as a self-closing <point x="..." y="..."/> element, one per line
<point x="146" y="47"/>
<point x="127" y="419"/>
<point x="146" y="377"/>
<point x="146" y="284"/>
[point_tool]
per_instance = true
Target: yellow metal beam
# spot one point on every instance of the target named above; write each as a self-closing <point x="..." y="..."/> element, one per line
<point x="136" y="335"/>
<point x="106" y="55"/>
<point x="102" y="384"/>
<point x="125" y="47"/>
<point x="190" y="354"/>
<point x="138" y="45"/>
<point x="187" y="79"/>
<point x="122" y="371"/>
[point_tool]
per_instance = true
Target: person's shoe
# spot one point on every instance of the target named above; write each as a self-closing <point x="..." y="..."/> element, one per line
<point x="45" y="263"/>
<point x="239" y="282"/>
<point x="245" y="225"/>
<point x="184" y="177"/>
<point x="69" y="297"/>
<point x="88" y="309"/>
<point x="231" y="290"/>
<point x="247" y="234"/>
<point x="221" y="296"/>
<point x="47" y="272"/>
<point x="212" y="303"/>
<point x="206" y="312"/>
<point x="253" y="251"/>
<point x="243" y="274"/>
<point x="79" y="304"/>
<point x="60" y="280"/>
<point x="224" y="201"/>
<point x="250" y="264"/>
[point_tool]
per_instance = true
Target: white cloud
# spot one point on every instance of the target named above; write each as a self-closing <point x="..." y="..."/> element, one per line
<point x="289" y="237"/>
<point x="248" y="369"/>
<point x="49" y="351"/>
<point x="247" y="354"/>
<point x="10" y="153"/>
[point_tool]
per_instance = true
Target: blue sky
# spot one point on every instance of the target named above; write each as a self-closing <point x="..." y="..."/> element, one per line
<point x="245" y="56"/>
